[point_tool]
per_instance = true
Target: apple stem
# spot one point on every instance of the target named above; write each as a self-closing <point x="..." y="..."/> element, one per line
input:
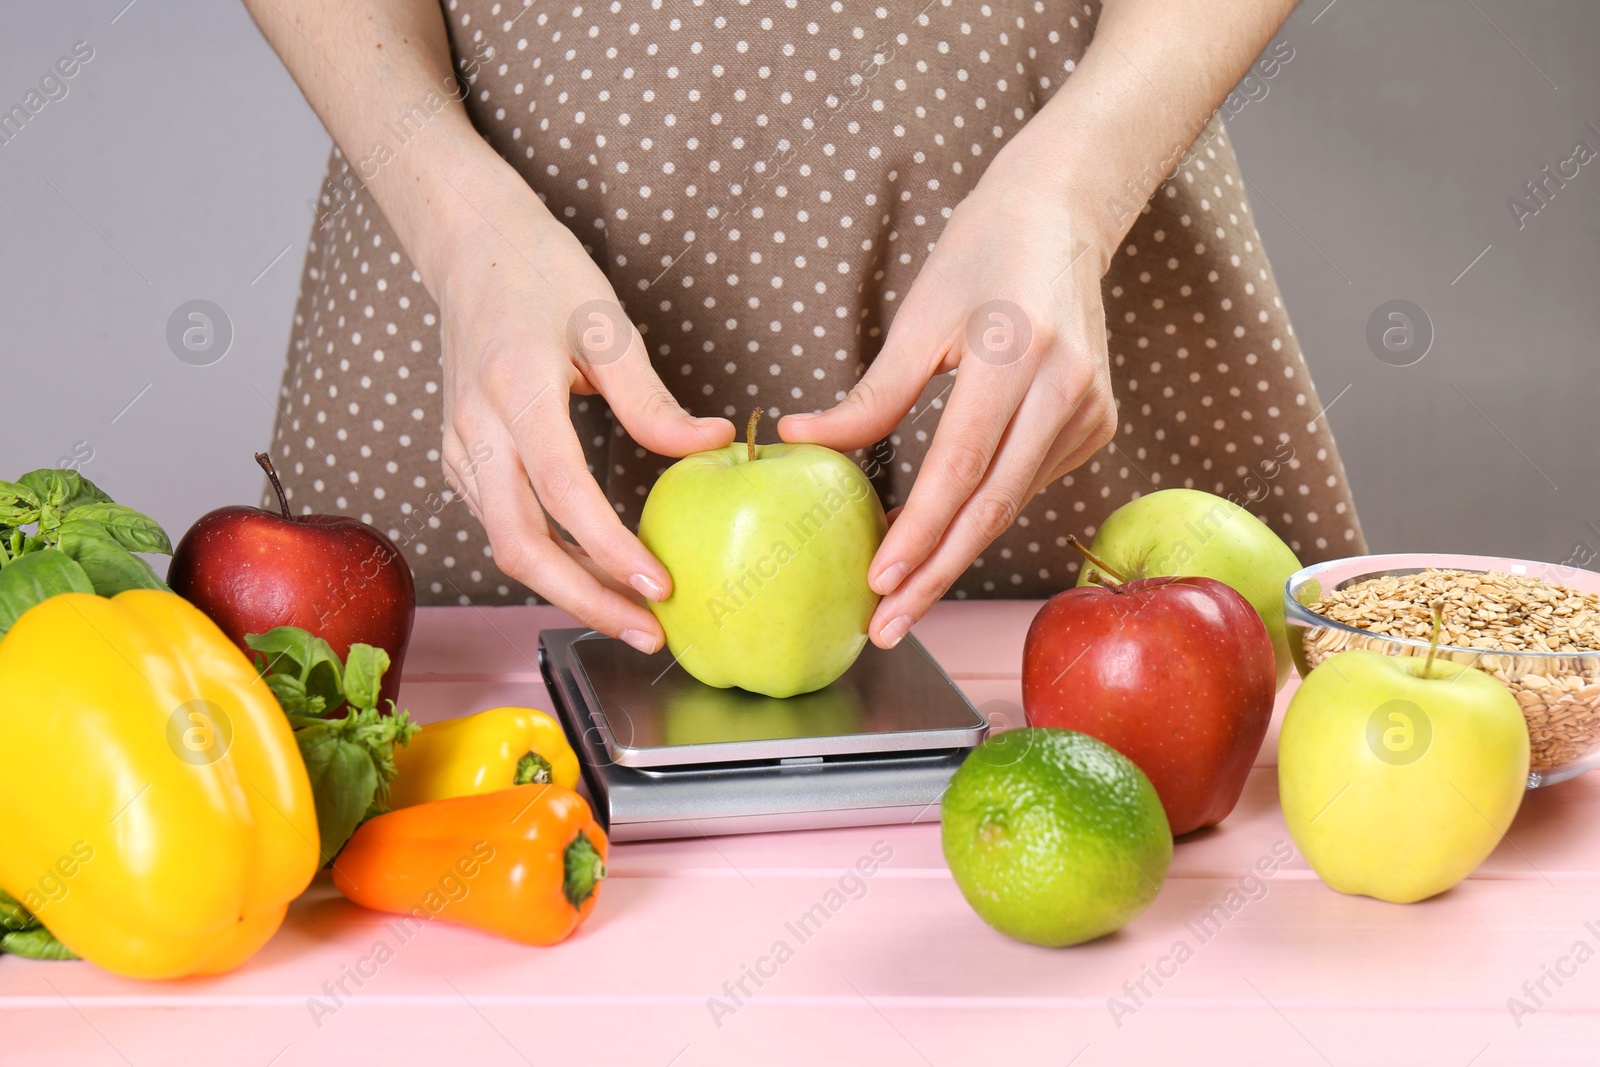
<point x="1098" y="563"/>
<point x="272" y="476"/>
<point x="750" y="434"/>
<point x="1437" y="608"/>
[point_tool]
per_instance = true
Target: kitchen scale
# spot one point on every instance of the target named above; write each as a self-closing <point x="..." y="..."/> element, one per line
<point x="666" y="756"/>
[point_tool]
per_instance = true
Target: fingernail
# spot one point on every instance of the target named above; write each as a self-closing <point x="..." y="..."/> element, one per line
<point x="891" y="578"/>
<point x="896" y="631"/>
<point x="647" y="588"/>
<point x="640" y="640"/>
<point x="803" y="416"/>
<point x="703" y="422"/>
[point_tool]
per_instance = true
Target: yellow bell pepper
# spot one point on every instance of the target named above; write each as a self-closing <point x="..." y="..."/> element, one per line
<point x="159" y="818"/>
<point x="482" y="753"/>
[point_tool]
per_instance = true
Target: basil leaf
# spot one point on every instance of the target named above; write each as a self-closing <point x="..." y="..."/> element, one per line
<point x="291" y="650"/>
<point x="35" y="944"/>
<point x="19" y="505"/>
<point x="343" y="782"/>
<point x="62" y="489"/>
<point x="291" y="694"/>
<point x="35" y="577"/>
<point x="363" y="674"/>
<point x="131" y="529"/>
<point x="110" y="567"/>
<point x="49" y="519"/>
<point x="13" y="916"/>
<point x="81" y="528"/>
<point x="19" y="495"/>
<point x="378" y="734"/>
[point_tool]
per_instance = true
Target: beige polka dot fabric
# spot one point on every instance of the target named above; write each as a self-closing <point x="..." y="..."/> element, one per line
<point x="762" y="183"/>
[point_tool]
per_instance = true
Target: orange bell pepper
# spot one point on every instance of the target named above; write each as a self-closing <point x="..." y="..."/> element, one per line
<point x="525" y="863"/>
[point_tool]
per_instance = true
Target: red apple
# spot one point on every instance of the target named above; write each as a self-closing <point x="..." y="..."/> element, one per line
<point x="1177" y="674"/>
<point x="331" y="575"/>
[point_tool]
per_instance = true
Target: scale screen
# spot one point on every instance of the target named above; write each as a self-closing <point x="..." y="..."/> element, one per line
<point x="651" y="713"/>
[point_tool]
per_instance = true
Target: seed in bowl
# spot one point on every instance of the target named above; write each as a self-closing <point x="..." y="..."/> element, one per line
<point x="1506" y="612"/>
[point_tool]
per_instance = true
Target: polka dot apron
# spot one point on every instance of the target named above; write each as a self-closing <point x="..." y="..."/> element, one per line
<point x="839" y="137"/>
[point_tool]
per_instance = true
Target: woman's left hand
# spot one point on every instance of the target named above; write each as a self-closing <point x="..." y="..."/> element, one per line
<point x="1010" y="299"/>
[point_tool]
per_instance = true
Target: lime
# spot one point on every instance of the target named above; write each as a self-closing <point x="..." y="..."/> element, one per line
<point x="1054" y="837"/>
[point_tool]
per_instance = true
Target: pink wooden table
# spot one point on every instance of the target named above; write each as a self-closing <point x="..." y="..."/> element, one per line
<point x="1293" y="973"/>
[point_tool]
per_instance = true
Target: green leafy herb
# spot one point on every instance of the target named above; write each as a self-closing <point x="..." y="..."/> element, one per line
<point x="36" y="577"/>
<point x="63" y="489"/>
<point x="132" y="530"/>
<point x="35" y="944"/>
<point x="110" y="567"/>
<point x="13" y="916"/>
<point x="21" y="934"/>
<point x="292" y="653"/>
<point x="60" y="513"/>
<point x="349" y="760"/>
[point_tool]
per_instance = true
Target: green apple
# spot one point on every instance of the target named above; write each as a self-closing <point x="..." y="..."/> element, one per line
<point x="1399" y="775"/>
<point x="1188" y="532"/>
<point x="768" y="548"/>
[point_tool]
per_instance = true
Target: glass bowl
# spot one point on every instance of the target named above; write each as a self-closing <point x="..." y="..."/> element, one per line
<point x="1559" y="691"/>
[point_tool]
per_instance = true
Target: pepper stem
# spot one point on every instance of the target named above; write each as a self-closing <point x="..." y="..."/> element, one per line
<point x="272" y="476"/>
<point x="1098" y="563"/>
<point x="532" y="769"/>
<point x="750" y="435"/>
<point x="1437" y="607"/>
<point x="585" y="870"/>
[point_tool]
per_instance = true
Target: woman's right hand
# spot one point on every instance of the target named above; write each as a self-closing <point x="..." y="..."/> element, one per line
<point x="508" y="279"/>
<point x="527" y="319"/>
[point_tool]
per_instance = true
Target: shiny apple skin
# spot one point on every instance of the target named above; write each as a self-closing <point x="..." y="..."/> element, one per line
<point x="336" y="577"/>
<point x="1177" y="674"/>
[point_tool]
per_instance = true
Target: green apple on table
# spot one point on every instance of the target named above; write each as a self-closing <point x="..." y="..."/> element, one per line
<point x="768" y="548"/>
<point x="1191" y="533"/>
<point x="1398" y="775"/>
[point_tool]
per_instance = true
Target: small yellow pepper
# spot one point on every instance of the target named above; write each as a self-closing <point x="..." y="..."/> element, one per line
<point x="482" y="753"/>
<point x="158" y="814"/>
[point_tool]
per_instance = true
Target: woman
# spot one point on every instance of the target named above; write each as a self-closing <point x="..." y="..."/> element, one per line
<point x="817" y="210"/>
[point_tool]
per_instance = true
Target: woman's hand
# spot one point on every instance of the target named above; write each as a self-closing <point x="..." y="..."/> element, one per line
<point x="1009" y="299"/>
<point x="528" y="319"/>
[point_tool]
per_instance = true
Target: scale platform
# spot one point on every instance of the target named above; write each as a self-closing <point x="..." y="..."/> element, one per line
<point x="665" y="756"/>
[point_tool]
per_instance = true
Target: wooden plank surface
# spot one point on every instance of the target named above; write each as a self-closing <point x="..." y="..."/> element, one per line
<point x="1278" y="970"/>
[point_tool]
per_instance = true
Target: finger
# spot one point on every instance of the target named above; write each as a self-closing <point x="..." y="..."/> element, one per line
<point x="621" y="372"/>
<point x="1089" y="430"/>
<point x="984" y="516"/>
<point x="553" y="457"/>
<point x="916" y="346"/>
<point x="525" y="550"/>
<point x="981" y="405"/>
<point x="584" y="560"/>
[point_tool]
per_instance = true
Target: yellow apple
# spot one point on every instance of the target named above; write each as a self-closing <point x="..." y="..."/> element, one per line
<point x="1399" y="775"/>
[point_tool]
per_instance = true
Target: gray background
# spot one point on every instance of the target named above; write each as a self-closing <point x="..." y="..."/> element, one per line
<point x="1381" y="160"/>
